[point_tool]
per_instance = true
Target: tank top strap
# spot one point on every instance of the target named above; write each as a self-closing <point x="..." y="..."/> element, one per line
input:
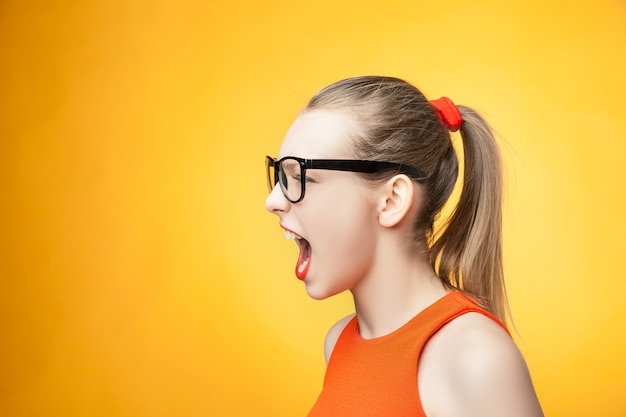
<point x="446" y="309"/>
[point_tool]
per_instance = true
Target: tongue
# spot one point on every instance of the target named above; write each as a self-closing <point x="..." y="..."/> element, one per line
<point x="304" y="259"/>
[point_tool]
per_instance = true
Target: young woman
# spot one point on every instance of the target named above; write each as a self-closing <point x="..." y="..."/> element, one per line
<point x="362" y="176"/>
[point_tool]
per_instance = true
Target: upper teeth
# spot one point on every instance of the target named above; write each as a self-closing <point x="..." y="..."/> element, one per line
<point x="291" y="235"/>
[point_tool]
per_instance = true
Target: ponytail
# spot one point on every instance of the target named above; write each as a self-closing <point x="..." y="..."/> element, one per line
<point x="467" y="253"/>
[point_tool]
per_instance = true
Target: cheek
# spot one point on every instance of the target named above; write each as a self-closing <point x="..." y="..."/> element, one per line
<point x="344" y="210"/>
<point x="346" y="236"/>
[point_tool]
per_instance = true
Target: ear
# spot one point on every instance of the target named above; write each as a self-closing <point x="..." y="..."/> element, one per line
<point x="396" y="200"/>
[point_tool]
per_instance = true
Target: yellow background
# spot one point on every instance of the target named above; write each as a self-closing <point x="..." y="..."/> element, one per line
<point x="141" y="276"/>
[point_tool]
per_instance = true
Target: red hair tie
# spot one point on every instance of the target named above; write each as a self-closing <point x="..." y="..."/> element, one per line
<point x="448" y="113"/>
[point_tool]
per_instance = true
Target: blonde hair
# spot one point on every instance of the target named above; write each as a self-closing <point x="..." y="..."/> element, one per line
<point x="399" y="125"/>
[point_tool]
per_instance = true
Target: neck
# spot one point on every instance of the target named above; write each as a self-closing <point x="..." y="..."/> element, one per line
<point x="394" y="292"/>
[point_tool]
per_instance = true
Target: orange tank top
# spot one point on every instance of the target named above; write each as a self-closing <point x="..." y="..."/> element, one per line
<point x="378" y="377"/>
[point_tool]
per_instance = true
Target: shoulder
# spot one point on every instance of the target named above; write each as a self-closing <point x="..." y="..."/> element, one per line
<point x="333" y="335"/>
<point x="479" y="370"/>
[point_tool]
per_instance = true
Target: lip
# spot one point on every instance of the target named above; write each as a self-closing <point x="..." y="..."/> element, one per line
<point x="291" y="231"/>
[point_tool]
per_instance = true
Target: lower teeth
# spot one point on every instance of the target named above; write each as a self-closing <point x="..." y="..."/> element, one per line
<point x="302" y="266"/>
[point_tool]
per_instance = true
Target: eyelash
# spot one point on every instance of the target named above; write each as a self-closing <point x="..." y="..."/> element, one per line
<point x="307" y="179"/>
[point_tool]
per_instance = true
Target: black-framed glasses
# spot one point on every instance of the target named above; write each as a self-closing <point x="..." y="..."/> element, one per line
<point x="290" y="172"/>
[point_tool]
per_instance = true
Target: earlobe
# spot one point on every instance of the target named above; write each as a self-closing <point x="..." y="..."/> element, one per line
<point x="396" y="200"/>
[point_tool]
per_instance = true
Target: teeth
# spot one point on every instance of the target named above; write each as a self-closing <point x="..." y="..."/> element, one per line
<point x="303" y="265"/>
<point x="290" y="235"/>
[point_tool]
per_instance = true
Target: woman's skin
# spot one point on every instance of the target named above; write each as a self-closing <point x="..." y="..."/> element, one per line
<point x="359" y="236"/>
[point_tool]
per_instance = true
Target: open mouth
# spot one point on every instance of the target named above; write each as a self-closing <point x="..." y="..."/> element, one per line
<point x="304" y="258"/>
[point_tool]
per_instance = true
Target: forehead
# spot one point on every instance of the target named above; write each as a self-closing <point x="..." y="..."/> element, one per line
<point x="320" y="134"/>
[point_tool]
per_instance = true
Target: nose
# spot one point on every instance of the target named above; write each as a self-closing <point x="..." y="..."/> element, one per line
<point x="276" y="202"/>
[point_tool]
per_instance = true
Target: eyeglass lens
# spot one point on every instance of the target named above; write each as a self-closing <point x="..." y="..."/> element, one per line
<point x="290" y="178"/>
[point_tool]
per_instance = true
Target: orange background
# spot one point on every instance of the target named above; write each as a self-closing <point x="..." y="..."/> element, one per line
<point x="139" y="273"/>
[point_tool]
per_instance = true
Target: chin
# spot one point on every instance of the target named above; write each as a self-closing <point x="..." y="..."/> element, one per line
<point x="317" y="293"/>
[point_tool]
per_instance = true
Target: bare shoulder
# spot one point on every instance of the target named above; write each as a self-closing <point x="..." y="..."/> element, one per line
<point x="476" y="369"/>
<point x="333" y="335"/>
